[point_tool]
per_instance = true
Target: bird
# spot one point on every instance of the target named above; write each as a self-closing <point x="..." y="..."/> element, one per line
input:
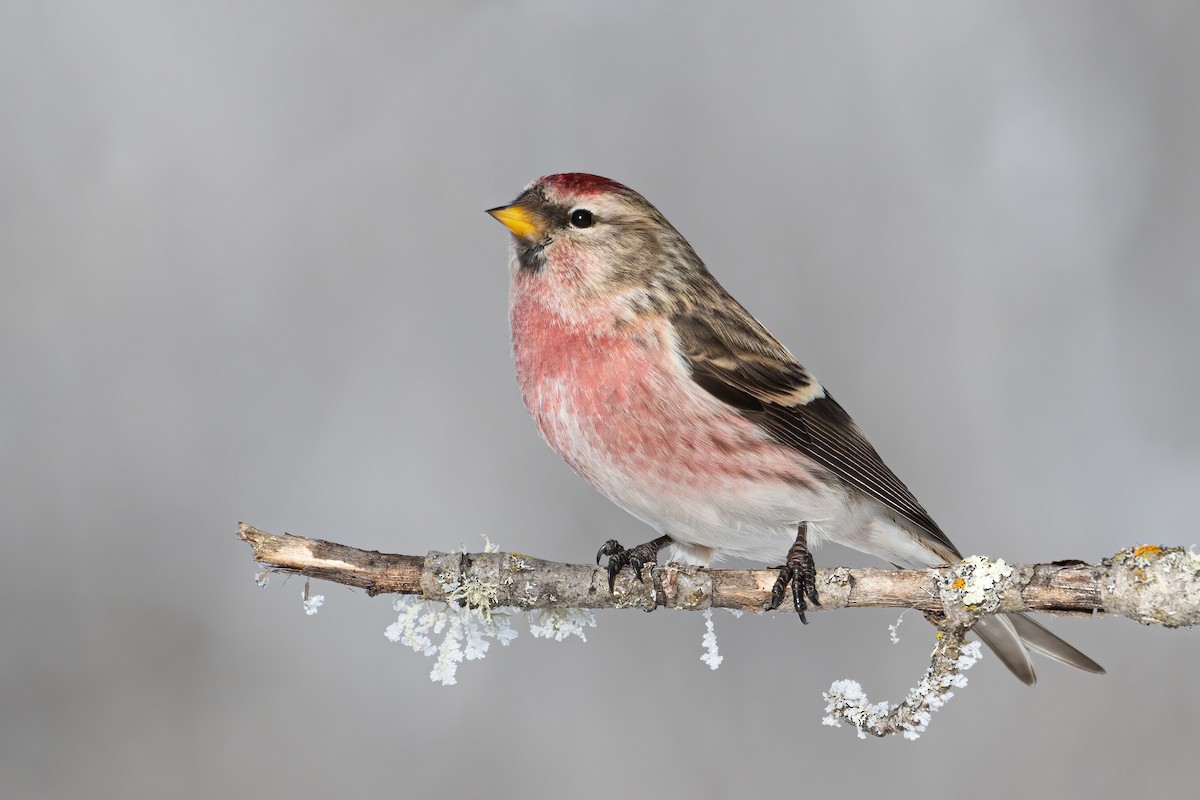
<point x="664" y="393"/>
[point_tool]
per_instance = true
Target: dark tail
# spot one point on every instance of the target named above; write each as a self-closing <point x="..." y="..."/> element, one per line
<point x="1012" y="636"/>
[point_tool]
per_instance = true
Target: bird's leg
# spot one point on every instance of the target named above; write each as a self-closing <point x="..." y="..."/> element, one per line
<point x="801" y="571"/>
<point x="636" y="557"/>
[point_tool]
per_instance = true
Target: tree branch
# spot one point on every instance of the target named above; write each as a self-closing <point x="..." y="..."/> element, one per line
<point x="1149" y="584"/>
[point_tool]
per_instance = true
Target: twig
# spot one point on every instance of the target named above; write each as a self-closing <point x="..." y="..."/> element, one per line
<point x="1149" y="584"/>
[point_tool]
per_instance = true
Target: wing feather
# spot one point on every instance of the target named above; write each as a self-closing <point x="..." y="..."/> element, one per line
<point x="734" y="358"/>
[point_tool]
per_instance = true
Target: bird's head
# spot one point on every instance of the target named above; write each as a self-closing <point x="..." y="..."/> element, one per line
<point x="588" y="238"/>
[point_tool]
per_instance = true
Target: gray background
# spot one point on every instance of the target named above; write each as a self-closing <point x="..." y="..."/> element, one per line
<point x="246" y="276"/>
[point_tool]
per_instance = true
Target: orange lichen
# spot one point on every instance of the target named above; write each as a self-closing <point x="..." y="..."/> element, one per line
<point x="958" y="584"/>
<point x="1147" y="550"/>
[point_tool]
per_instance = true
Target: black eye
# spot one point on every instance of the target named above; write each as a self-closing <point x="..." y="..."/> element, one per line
<point x="582" y="218"/>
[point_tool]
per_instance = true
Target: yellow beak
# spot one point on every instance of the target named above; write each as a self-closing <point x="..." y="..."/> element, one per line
<point x="519" y="221"/>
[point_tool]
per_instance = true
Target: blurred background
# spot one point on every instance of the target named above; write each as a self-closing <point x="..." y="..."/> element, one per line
<point x="245" y="274"/>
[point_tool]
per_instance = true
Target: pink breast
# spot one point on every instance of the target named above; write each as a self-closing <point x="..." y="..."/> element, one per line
<point x="619" y="406"/>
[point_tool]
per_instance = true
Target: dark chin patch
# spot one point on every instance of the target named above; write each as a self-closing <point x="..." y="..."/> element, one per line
<point x="532" y="255"/>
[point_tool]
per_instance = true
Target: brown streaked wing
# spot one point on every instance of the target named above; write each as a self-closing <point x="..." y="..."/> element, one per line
<point x="737" y="361"/>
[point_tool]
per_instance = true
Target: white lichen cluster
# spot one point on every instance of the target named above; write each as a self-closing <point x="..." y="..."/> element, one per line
<point x="975" y="580"/>
<point x="847" y="702"/>
<point x="471" y="592"/>
<point x="560" y="623"/>
<point x="712" y="654"/>
<point x="466" y="633"/>
<point x="312" y="603"/>
<point x="977" y="584"/>
<point x="471" y="621"/>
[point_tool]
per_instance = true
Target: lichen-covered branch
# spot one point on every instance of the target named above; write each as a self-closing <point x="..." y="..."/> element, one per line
<point x="1149" y="584"/>
<point x="969" y="590"/>
<point x="481" y="593"/>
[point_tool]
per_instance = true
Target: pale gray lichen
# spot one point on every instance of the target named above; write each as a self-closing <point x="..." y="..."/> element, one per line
<point x="473" y="593"/>
<point x="894" y="628"/>
<point x="312" y="603"/>
<point x="560" y="623"/>
<point x="976" y="585"/>
<point x="467" y="623"/>
<point x="847" y="702"/>
<point x="471" y="620"/>
<point x="975" y="582"/>
<point x="465" y="632"/>
<point x="517" y="563"/>
<point x="712" y="654"/>
<point x="1156" y="585"/>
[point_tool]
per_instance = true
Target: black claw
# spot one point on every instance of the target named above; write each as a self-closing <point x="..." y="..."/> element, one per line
<point x="778" y="589"/>
<point x="798" y="597"/>
<point x="800" y="571"/>
<point x="609" y="548"/>
<point x="614" y="566"/>
<point x="636" y="557"/>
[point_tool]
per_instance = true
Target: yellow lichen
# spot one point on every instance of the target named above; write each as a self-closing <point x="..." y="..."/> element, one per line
<point x="516" y="561"/>
<point x="958" y="584"/>
<point x="1147" y="550"/>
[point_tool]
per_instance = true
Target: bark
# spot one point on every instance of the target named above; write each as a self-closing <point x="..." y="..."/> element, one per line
<point x="1150" y="584"/>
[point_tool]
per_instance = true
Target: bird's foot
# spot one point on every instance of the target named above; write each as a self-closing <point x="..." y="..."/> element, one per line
<point x="636" y="557"/>
<point x="801" y="571"/>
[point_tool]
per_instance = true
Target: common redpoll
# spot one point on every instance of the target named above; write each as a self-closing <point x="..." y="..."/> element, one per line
<point x="665" y="394"/>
